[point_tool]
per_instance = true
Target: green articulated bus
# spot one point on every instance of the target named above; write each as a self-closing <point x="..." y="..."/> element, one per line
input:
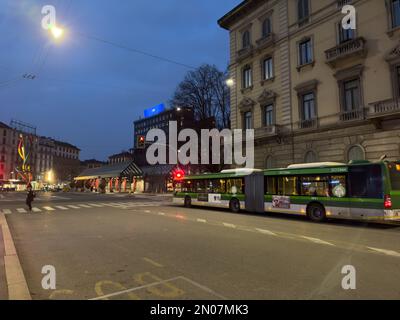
<point x="360" y="190"/>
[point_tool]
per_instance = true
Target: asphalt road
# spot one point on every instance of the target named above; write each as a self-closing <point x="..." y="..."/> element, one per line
<point x="122" y="247"/>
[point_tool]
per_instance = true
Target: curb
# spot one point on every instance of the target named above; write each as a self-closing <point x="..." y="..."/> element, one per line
<point x="16" y="282"/>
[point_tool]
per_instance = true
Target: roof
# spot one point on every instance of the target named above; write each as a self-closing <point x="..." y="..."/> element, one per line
<point x="122" y="154"/>
<point x="243" y="8"/>
<point x="3" y="125"/>
<point x="124" y="169"/>
<point x="65" y="144"/>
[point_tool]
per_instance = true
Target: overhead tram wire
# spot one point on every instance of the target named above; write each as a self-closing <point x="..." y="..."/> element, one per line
<point x="124" y="47"/>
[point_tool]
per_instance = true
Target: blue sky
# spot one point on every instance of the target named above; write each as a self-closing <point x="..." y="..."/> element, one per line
<point x="89" y="93"/>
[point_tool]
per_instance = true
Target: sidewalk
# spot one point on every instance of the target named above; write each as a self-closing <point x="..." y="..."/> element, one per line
<point x="3" y="280"/>
<point x="12" y="279"/>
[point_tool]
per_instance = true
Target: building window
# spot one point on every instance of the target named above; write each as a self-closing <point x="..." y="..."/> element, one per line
<point x="397" y="80"/>
<point x="266" y="27"/>
<point x="351" y="95"/>
<point x="305" y="52"/>
<point x="355" y="153"/>
<point x="268" y="68"/>
<point x="308" y="106"/>
<point x="310" y="157"/>
<point x="345" y="34"/>
<point x="269" y="115"/>
<point x="303" y="10"/>
<point x="248" y="120"/>
<point x="247" y="77"/>
<point x="246" y="39"/>
<point x="269" y="162"/>
<point x="395" y="11"/>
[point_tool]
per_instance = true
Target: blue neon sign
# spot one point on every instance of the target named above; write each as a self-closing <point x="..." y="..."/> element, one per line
<point x="154" y="111"/>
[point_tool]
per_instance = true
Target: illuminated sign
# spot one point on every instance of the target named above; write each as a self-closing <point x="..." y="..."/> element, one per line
<point x="154" y="111"/>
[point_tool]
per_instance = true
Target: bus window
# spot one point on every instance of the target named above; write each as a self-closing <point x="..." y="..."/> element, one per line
<point x="315" y="186"/>
<point x="365" y="181"/>
<point x="270" y="185"/>
<point x="218" y="186"/>
<point x="234" y="186"/>
<point x="287" y="186"/>
<point x="187" y="186"/>
<point x="394" y="172"/>
<point x="200" y="186"/>
<point x="338" y="186"/>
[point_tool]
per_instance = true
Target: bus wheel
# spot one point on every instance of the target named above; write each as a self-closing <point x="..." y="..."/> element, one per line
<point x="188" y="202"/>
<point x="234" y="205"/>
<point x="316" y="212"/>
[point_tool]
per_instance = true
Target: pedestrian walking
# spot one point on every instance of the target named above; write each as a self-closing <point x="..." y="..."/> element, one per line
<point x="30" y="197"/>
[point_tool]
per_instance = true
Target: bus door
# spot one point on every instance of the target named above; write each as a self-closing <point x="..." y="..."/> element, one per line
<point x="254" y="191"/>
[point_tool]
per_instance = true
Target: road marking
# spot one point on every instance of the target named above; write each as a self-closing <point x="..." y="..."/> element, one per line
<point x="36" y="210"/>
<point x="61" y="208"/>
<point x="136" y="289"/>
<point x="73" y="207"/>
<point x="147" y="211"/>
<point x="386" y="252"/>
<point x="202" y="220"/>
<point x="154" y="263"/>
<point x="318" y="241"/>
<point x="229" y="225"/>
<point x="84" y="206"/>
<point x="1" y="196"/>
<point x="6" y="211"/>
<point x="96" y="205"/>
<point x="264" y="231"/>
<point x="21" y="210"/>
<point x="49" y="209"/>
<point x="161" y="214"/>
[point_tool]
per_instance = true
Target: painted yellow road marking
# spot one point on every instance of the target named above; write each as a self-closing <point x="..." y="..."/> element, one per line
<point x="152" y="262"/>
<point x="100" y="292"/>
<point x="171" y="293"/>
<point x="62" y="293"/>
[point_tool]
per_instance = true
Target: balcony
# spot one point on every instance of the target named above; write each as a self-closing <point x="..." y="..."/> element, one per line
<point x="353" y="115"/>
<point x="384" y="108"/>
<point x="265" y="41"/>
<point x="244" y="53"/>
<point x="267" y="131"/>
<point x="345" y="50"/>
<point x="308" y="124"/>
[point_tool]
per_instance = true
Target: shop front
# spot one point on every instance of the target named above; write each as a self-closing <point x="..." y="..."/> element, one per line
<point x="121" y="177"/>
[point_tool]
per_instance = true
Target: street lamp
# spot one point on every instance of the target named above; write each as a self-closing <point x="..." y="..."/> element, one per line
<point x="230" y="82"/>
<point x="56" y="31"/>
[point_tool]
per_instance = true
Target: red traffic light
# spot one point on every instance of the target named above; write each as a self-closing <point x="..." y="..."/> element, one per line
<point x="179" y="174"/>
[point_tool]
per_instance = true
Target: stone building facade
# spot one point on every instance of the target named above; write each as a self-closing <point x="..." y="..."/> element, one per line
<point x="312" y="90"/>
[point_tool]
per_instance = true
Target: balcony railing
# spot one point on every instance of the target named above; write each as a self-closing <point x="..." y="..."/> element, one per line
<point x="384" y="107"/>
<point x="356" y="114"/>
<point x="245" y="52"/>
<point x="308" y="124"/>
<point x="265" y="41"/>
<point x="266" y="131"/>
<point x="344" y="50"/>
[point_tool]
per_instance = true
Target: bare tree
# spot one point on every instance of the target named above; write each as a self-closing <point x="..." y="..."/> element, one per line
<point x="205" y="90"/>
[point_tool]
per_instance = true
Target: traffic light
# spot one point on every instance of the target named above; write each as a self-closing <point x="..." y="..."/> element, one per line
<point x="178" y="174"/>
<point x="141" y="142"/>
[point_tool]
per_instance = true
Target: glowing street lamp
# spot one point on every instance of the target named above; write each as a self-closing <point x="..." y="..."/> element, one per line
<point x="230" y="82"/>
<point x="50" y="176"/>
<point x="56" y="31"/>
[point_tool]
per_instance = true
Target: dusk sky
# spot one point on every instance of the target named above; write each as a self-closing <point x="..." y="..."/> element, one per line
<point x="89" y="93"/>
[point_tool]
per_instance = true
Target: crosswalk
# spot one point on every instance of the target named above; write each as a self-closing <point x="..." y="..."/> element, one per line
<point x="80" y="206"/>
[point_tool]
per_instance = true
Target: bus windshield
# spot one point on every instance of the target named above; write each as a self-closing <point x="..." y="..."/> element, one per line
<point x="394" y="173"/>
